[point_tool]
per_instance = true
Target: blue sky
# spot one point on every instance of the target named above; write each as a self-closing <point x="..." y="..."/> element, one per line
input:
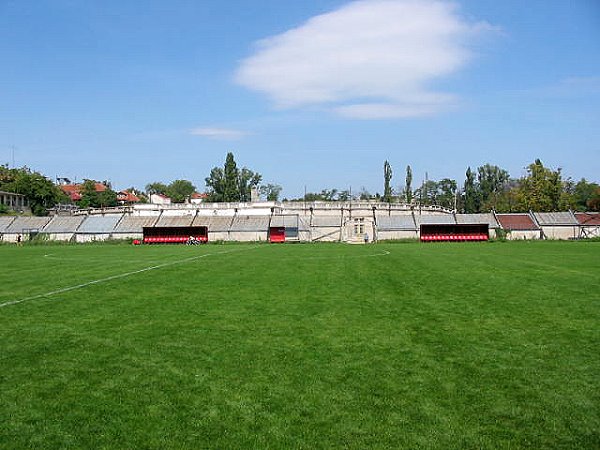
<point x="308" y="93"/>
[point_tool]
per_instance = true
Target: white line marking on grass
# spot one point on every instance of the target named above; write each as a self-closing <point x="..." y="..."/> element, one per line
<point x="116" y="277"/>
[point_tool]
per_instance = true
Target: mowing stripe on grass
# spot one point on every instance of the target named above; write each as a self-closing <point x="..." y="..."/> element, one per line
<point x="116" y="277"/>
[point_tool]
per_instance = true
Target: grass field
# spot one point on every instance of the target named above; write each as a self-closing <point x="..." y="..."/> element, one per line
<point x="480" y="345"/>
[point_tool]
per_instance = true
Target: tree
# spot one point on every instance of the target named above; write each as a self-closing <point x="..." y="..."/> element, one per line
<point x="271" y="191"/>
<point x="106" y="198"/>
<point x="491" y="184"/>
<point x="229" y="184"/>
<point x="593" y="202"/>
<point x="583" y="193"/>
<point x="446" y="193"/>
<point x="470" y="193"/>
<point x="215" y="183"/>
<point x="541" y="189"/>
<point x="246" y="181"/>
<point x="156" y="188"/>
<point x="364" y="194"/>
<point x="180" y="190"/>
<point x="329" y="195"/>
<point x="344" y="196"/>
<point x="508" y="200"/>
<point x="41" y="193"/>
<point x="91" y="198"/>
<point x="408" y="188"/>
<point x="231" y="189"/>
<point x="387" y="178"/>
<point x="428" y="193"/>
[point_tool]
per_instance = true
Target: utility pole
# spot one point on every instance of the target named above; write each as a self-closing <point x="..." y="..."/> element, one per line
<point x="12" y="147"/>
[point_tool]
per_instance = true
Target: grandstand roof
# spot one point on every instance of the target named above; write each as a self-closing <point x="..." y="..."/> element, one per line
<point x="26" y="222"/>
<point x="63" y="224"/>
<point x="516" y="222"/>
<point x="588" y="218"/>
<point x="471" y="219"/>
<point x="403" y="222"/>
<point x="555" y="218"/>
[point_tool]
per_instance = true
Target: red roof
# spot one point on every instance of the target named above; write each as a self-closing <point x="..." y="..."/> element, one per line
<point x="71" y="188"/>
<point x="591" y="218"/>
<point x="197" y="195"/>
<point x="516" y="222"/>
<point x="127" y="197"/>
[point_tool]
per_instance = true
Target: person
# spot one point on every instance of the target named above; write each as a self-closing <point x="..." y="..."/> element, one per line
<point x="366" y="237"/>
<point x="19" y="239"/>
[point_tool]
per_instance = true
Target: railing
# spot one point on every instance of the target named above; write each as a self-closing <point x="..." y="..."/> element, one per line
<point x="275" y="207"/>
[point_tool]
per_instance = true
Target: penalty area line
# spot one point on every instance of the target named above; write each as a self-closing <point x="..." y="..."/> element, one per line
<point x="115" y="277"/>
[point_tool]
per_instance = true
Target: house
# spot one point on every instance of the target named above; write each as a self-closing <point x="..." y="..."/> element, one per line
<point x="197" y="198"/>
<point x="160" y="199"/>
<point x="73" y="191"/>
<point x="16" y="202"/>
<point x="126" y="197"/>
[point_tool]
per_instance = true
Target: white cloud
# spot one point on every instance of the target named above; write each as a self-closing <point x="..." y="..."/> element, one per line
<point x="226" y="134"/>
<point x="369" y="59"/>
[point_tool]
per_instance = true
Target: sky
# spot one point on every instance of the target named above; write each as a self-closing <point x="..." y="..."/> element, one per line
<point x="312" y="94"/>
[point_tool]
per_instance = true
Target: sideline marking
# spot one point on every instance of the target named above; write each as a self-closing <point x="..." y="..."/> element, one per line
<point x="115" y="277"/>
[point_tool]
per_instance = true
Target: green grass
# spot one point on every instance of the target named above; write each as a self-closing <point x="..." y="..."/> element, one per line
<point x="492" y="345"/>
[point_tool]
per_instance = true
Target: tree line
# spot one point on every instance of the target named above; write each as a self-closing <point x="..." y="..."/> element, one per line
<point x="487" y="187"/>
<point x="490" y="187"/>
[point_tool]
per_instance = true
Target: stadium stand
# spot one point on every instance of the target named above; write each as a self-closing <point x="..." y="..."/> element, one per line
<point x="404" y="222"/>
<point x="62" y="228"/>
<point x="489" y="218"/>
<point x="396" y="227"/>
<point x="218" y="228"/>
<point x="23" y="223"/>
<point x="589" y="223"/>
<point x="434" y="219"/>
<point x="175" y="235"/>
<point x="250" y="223"/>
<point x="5" y="222"/>
<point x="326" y="228"/>
<point x="201" y="221"/>
<point x="442" y="228"/>
<point x="284" y="227"/>
<point x="134" y="224"/>
<point x="519" y="226"/>
<point x="284" y="221"/>
<point x="97" y="227"/>
<point x="249" y="228"/>
<point x="25" y="226"/>
<point x="557" y="225"/>
<point x="220" y="224"/>
<point x="326" y="221"/>
<point x="174" y="221"/>
<point x="63" y="224"/>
